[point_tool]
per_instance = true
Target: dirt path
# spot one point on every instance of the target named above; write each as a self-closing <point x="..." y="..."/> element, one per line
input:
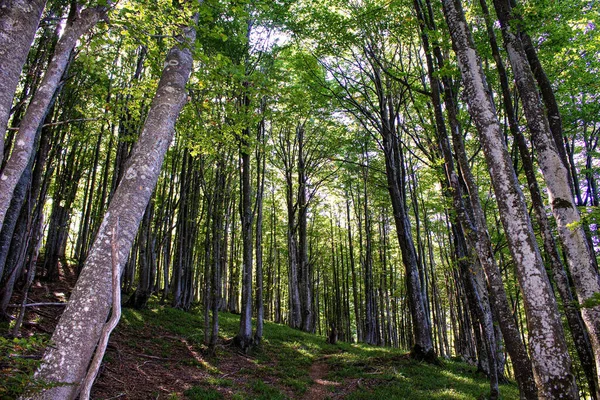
<point x="321" y="388"/>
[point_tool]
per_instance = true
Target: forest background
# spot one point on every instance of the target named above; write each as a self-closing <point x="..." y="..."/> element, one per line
<point x="420" y="175"/>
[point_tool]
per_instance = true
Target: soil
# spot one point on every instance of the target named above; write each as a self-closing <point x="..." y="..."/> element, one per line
<point x="151" y="363"/>
<point x="321" y="388"/>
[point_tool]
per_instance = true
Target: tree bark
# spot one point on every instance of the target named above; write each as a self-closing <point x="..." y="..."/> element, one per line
<point x="214" y="300"/>
<point x="559" y="275"/>
<point x="37" y="109"/>
<point x="477" y="294"/>
<point x="303" y="263"/>
<point x="244" y="337"/>
<point x="580" y="258"/>
<point x="552" y="364"/>
<point x="260" y="190"/>
<point x="357" y="314"/>
<point x="19" y="20"/>
<point x="79" y="328"/>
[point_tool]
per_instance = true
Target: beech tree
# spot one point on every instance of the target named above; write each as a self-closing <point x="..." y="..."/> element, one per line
<point x="18" y="22"/>
<point x="551" y="361"/>
<point x="375" y="99"/>
<point x="579" y="255"/>
<point x="80" y="21"/>
<point x="79" y="329"/>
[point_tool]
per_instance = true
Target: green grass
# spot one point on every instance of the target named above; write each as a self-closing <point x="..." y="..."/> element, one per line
<point x="279" y="367"/>
<point x="265" y="392"/>
<point x="18" y="362"/>
<point x="285" y="357"/>
<point x="202" y="393"/>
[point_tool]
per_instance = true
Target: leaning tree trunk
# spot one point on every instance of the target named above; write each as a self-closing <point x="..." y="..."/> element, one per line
<point x="79" y="328"/>
<point x="580" y="257"/>
<point x="37" y="109"/>
<point x="559" y="275"/>
<point x="552" y="364"/>
<point x="472" y="220"/>
<point x="19" y="20"/>
<point x="423" y="344"/>
<point x="477" y="295"/>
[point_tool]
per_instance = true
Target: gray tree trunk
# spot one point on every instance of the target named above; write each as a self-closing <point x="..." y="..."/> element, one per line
<point x="37" y="109"/>
<point x="559" y="275"/>
<point x="476" y="291"/>
<point x="580" y="257"/>
<point x="423" y="344"/>
<point x="79" y="328"/>
<point x="244" y="337"/>
<point x="303" y="262"/>
<point x="19" y="20"/>
<point x="472" y="220"/>
<point x="214" y="300"/>
<point x="260" y="190"/>
<point x="551" y="361"/>
<point x="287" y="152"/>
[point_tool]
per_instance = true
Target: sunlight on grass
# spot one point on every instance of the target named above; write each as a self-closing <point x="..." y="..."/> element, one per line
<point x="455" y="377"/>
<point x="285" y="356"/>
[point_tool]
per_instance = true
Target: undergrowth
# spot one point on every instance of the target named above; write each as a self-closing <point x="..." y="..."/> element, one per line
<point x="285" y="356"/>
<point x="19" y="358"/>
<point x="277" y="369"/>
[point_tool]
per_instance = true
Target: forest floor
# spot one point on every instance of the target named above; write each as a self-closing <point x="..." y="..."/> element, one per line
<point x="159" y="353"/>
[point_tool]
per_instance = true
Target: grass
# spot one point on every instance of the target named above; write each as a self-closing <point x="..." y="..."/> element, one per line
<point x="285" y="356"/>
<point x="201" y="393"/>
<point x="277" y="369"/>
<point x="18" y="361"/>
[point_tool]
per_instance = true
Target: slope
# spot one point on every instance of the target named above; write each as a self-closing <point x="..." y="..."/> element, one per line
<point x="158" y="353"/>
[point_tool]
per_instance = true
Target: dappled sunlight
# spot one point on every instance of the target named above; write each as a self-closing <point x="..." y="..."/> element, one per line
<point x="455" y="377"/>
<point x="208" y="366"/>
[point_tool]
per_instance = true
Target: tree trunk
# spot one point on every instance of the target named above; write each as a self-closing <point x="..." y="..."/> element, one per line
<point x="303" y="264"/>
<point x="423" y="345"/>
<point x="552" y="365"/>
<point x="19" y="20"/>
<point x="580" y="257"/>
<point x="357" y="316"/>
<point x="41" y="101"/>
<point x="473" y="222"/>
<point x="79" y="328"/>
<point x="295" y="320"/>
<point x="369" y="331"/>
<point x="217" y="248"/>
<point x="580" y="336"/>
<point x="477" y="294"/>
<point x="260" y="190"/>
<point x="244" y="337"/>
<point x="139" y="298"/>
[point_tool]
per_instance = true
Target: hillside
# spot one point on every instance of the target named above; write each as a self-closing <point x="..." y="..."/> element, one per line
<point x="158" y="354"/>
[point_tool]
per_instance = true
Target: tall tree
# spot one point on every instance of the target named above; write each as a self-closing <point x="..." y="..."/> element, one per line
<point x="552" y="364"/>
<point x="18" y="22"/>
<point x="78" y="24"/>
<point x="375" y="100"/>
<point x="79" y="328"/>
<point x="580" y="257"/>
<point x="559" y="274"/>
